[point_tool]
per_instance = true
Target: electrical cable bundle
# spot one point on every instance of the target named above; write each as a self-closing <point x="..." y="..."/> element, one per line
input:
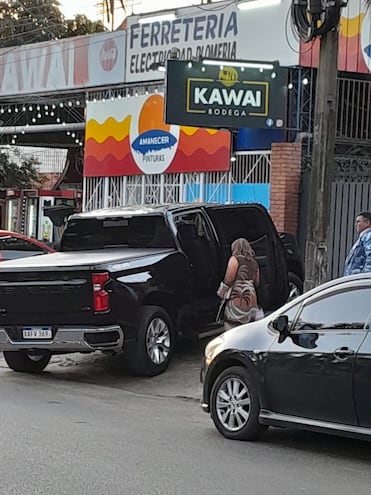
<point x="314" y="18"/>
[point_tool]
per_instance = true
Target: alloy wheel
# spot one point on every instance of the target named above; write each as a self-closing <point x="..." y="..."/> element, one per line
<point x="233" y="404"/>
<point x="158" y="341"/>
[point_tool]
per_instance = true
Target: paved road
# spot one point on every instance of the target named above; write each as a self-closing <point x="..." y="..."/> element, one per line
<point x="181" y="380"/>
<point x="64" y="437"/>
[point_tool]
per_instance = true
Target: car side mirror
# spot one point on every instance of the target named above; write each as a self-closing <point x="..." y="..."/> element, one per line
<point x="281" y="324"/>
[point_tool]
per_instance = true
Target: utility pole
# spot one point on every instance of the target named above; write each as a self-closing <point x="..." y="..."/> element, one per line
<point x="321" y="173"/>
<point x="320" y="19"/>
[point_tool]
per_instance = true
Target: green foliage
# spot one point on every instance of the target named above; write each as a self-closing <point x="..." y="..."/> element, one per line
<point x="32" y="21"/>
<point x="19" y="176"/>
<point x="81" y="25"/>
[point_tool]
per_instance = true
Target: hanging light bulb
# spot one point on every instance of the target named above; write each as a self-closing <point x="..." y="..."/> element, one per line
<point x="46" y="107"/>
<point x="58" y="120"/>
<point x="73" y="134"/>
<point x="2" y="110"/>
<point x="16" y="109"/>
<point x="52" y="114"/>
<point x="39" y="115"/>
<point x="30" y="108"/>
<point x="33" y="119"/>
<point x="23" y="131"/>
<point x="9" y="110"/>
<point x="78" y="103"/>
<point x="61" y="104"/>
<point x="38" y="107"/>
<point x="70" y="103"/>
<point x="53" y="106"/>
<point x="23" y="109"/>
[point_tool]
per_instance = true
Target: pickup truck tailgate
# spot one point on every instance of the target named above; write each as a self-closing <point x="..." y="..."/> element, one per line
<point x="50" y="288"/>
<point x="61" y="294"/>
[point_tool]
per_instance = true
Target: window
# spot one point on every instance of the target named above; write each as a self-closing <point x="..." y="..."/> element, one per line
<point x="195" y="218"/>
<point x="17" y="244"/>
<point x="291" y="313"/>
<point x="343" y="310"/>
<point x="138" y="231"/>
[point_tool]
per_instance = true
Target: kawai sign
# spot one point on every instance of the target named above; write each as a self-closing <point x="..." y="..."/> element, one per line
<point x="72" y="63"/>
<point x="225" y="96"/>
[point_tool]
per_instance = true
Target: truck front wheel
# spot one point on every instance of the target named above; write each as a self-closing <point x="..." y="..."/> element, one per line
<point x="155" y="342"/>
<point x="27" y="361"/>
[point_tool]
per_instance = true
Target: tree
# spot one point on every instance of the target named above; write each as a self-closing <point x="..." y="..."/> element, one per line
<point x="109" y="10"/>
<point x="81" y="25"/>
<point x="23" y="176"/>
<point x="31" y="21"/>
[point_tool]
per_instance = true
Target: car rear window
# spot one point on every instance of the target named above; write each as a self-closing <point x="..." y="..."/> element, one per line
<point x="98" y="233"/>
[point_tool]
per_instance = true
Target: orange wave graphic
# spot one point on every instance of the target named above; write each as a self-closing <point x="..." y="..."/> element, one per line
<point x="109" y="147"/>
<point x="109" y="128"/>
<point x="110" y="167"/>
<point x="189" y="144"/>
<point x="190" y="131"/>
<point x="200" y="160"/>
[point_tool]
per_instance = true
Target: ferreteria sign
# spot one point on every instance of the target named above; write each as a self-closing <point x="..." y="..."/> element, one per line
<point x="217" y="31"/>
<point x="225" y="96"/>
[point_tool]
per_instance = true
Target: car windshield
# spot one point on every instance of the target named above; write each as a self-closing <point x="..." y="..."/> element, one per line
<point x="97" y="233"/>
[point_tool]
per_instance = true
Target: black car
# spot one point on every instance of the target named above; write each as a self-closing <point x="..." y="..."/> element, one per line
<point x="306" y="365"/>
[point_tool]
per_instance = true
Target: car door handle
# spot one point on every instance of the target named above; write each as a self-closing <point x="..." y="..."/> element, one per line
<point x="343" y="353"/>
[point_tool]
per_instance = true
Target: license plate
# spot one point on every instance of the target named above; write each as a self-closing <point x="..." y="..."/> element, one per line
<point x="37" y="332"/>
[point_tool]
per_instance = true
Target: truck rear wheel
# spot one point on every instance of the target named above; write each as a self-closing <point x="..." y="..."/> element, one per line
<point x="26" y="361"/>
<point x="155" y="343"/>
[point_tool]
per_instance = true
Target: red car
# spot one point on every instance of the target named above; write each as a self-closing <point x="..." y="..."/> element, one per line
<point x="15" y="245"/>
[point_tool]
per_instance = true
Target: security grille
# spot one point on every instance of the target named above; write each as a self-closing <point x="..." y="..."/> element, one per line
<point x="211" y="187"/>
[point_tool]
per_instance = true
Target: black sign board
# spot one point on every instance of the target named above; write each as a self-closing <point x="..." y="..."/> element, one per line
<point x="225" y="96"/>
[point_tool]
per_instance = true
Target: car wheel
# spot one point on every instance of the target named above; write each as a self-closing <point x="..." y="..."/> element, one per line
<point x="295" y="286"/>
<point x="155" y="342"/>
<point x="27" y="361"/>
<point x="235" y="405"/>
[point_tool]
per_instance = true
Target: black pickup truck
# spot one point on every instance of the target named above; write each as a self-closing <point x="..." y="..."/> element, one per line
<point x="132" y="280"/>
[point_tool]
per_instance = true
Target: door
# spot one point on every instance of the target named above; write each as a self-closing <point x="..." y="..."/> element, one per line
<point x="198" y="242"/>
<point x="254" y="224"/>
<point x="362" y="373"/>
<point x="310" y="372"/>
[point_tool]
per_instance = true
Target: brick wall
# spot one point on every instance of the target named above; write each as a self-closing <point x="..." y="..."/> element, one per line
<point x="285" y="183"/>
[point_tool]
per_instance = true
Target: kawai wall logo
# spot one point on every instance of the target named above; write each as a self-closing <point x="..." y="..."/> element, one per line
<point x="354" y="40"/>
<point x="129" y="137"/>
<point x="355" y="36"/>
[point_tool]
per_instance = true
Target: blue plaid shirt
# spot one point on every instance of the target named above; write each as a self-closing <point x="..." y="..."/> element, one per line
<point x="359" y="257"/>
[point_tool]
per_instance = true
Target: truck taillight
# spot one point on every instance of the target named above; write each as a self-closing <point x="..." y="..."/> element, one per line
<point x="100" y="296"/>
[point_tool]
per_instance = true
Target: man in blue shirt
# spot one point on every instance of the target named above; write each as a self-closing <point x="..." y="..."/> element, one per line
<point x="359" y="257"/>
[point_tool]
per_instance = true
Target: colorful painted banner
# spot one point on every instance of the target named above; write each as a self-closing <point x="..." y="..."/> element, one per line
<point x="354" y="41"/>
<point x="84" y="61"/>
<point x="129" y="137"/>
<point x="215" y="31"/>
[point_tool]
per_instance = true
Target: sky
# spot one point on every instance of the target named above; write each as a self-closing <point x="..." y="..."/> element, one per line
<point x="89" y="7"/>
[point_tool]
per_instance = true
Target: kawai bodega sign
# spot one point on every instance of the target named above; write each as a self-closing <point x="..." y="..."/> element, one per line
<point x="220" y="96"/>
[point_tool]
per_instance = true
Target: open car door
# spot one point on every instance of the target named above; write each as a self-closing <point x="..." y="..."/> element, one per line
<point x="252" y="221"/>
